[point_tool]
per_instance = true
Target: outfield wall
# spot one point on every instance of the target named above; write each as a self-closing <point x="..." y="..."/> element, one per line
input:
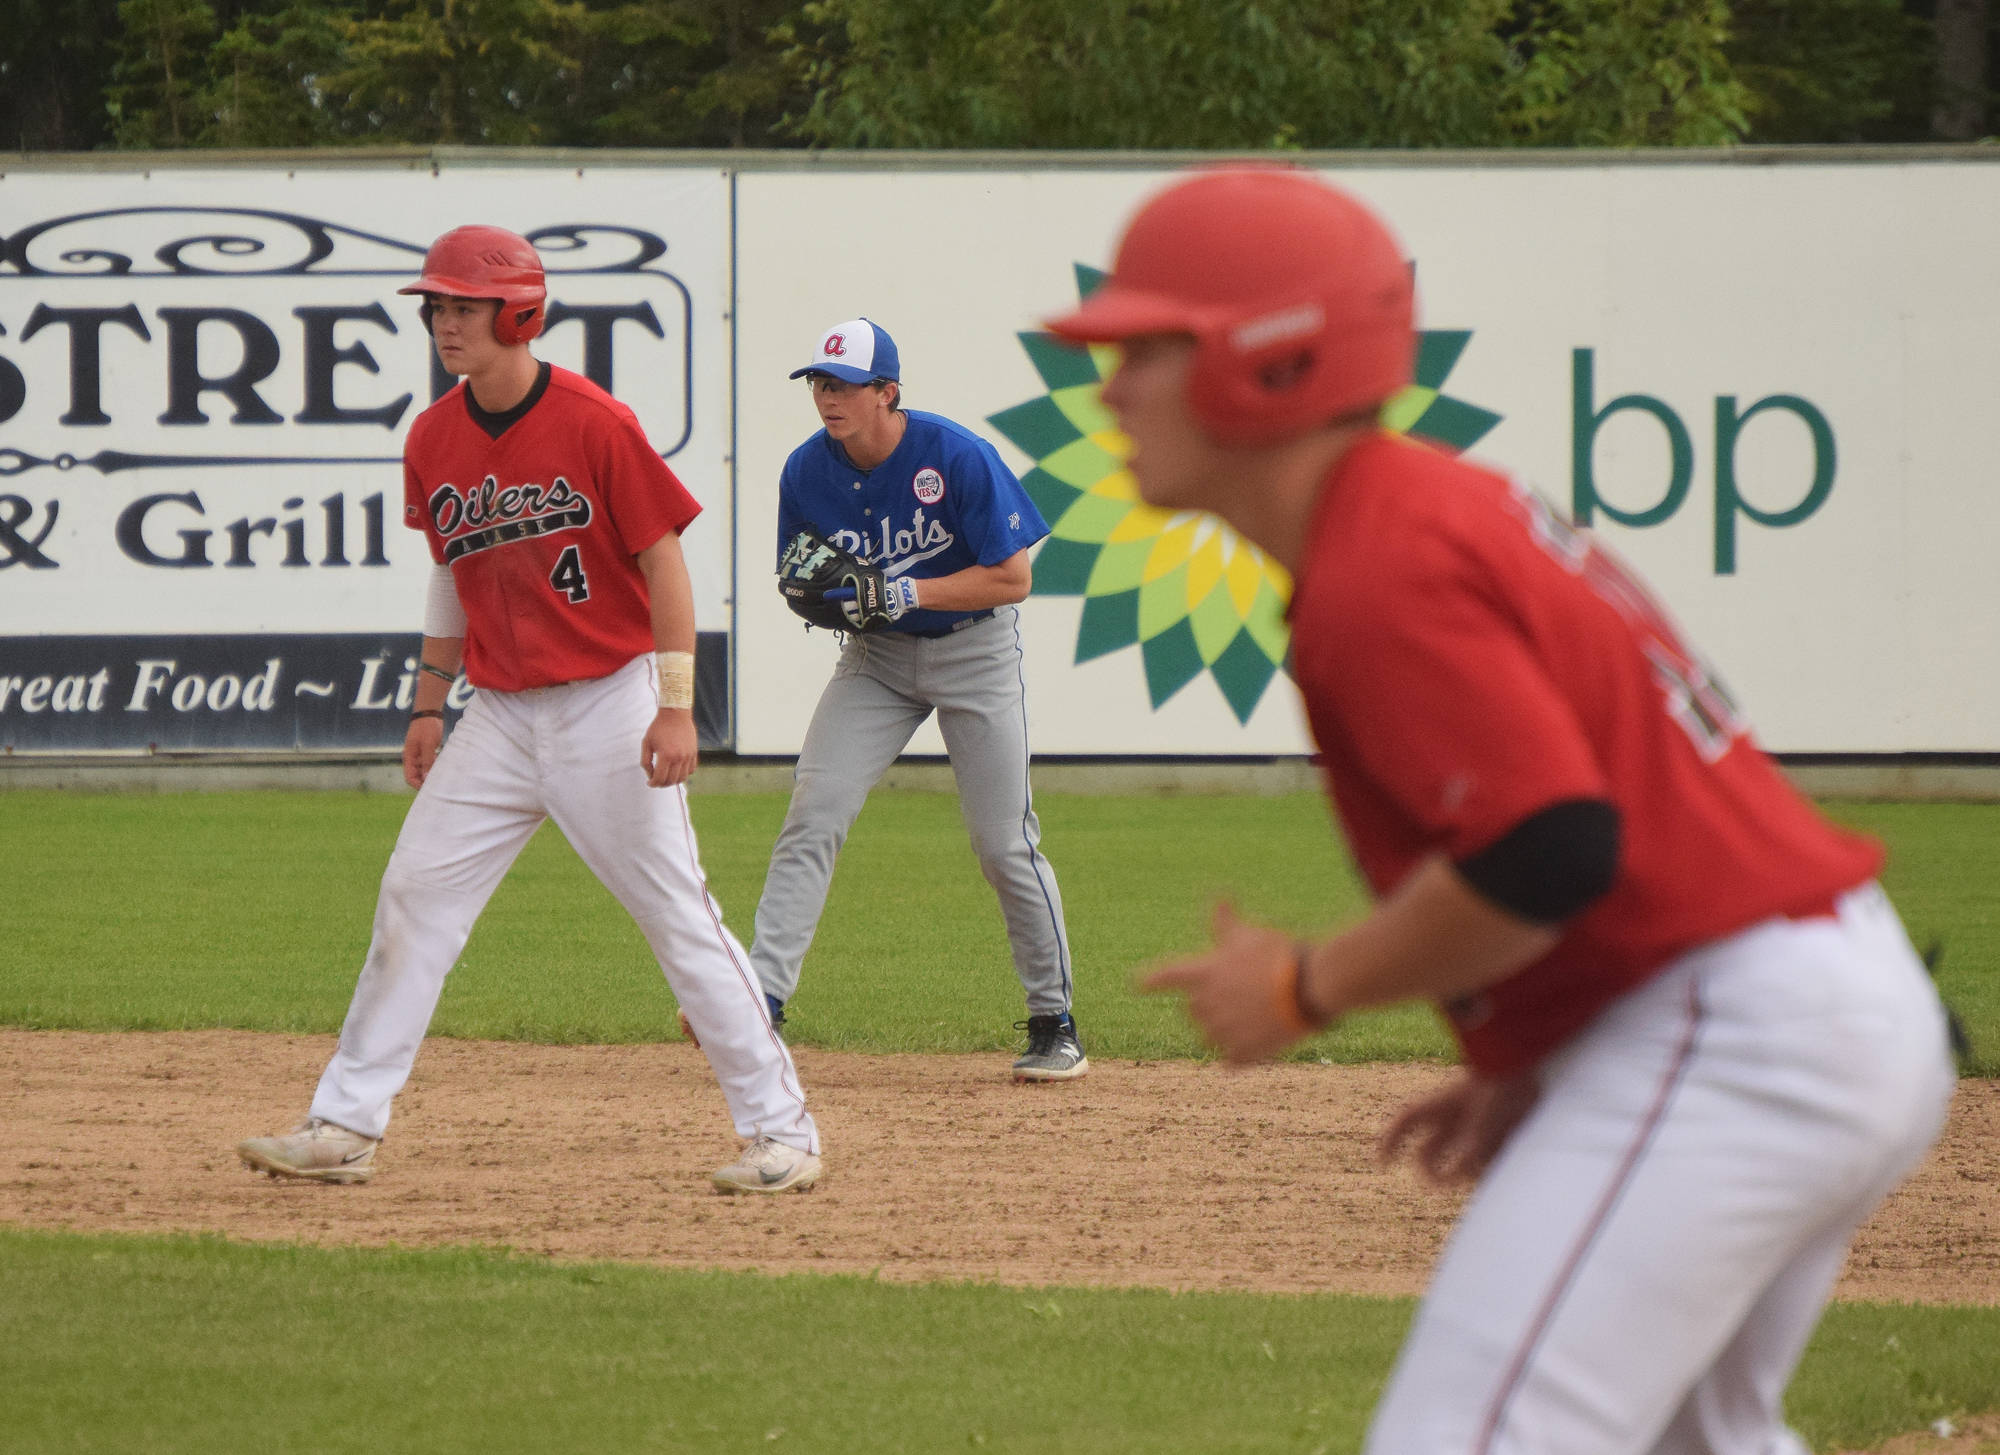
<point x="1761" y="375"/>
<point x="205" y="380"/>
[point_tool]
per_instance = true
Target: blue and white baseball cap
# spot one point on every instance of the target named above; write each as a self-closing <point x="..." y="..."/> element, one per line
<point x="856" y="351"/>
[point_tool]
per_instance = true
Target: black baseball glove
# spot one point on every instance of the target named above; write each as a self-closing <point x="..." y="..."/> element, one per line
<point x="834" y="588"/>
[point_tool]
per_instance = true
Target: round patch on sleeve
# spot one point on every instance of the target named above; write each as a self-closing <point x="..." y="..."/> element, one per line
<point x="929" y="486"/>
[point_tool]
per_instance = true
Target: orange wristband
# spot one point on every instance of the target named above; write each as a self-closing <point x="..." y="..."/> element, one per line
<point x="1304" y="1012"/>
<point x="1288" y="1006"/>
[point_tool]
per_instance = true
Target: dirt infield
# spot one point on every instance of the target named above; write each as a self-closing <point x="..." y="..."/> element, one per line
<point x="1166" y="1174"/>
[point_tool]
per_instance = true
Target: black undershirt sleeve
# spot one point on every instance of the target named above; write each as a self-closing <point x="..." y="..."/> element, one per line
<point x="1551" y="865"/>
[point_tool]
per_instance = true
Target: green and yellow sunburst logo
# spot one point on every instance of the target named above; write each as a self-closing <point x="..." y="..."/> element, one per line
<point x="1191" y="593"/>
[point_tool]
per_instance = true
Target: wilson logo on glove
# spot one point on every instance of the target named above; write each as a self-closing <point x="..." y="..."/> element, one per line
<point x="838" y="590"/>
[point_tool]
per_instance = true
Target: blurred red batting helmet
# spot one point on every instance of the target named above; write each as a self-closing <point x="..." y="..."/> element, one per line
<point x="488" y="262"/>
<point x="1299" y="300"/>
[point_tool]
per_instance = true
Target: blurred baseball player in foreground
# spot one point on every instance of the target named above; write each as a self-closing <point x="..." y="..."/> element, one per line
<point x="1698" y="1047"/>
<point x="929" y="530"/>
<point x="559" y="575"/>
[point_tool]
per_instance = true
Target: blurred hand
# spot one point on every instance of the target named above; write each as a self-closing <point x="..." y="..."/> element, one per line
<point x="1460" y="1130"/>
<point x="1243" y="994"/>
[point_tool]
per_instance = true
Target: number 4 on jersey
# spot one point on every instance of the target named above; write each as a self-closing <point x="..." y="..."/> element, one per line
<point x="568" y="577"/>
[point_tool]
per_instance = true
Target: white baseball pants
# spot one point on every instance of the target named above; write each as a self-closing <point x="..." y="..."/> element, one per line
<point x="569" y="753"/>
<point x="1642" y="1265"/>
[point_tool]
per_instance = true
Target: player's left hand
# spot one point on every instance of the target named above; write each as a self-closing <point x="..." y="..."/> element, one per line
<point x="833" y="587"/>
<point x="670" y="749"/>
<point x="871" y="599"/>
<point x="1460" y="1130"/>
<point x="1242" y="994"/>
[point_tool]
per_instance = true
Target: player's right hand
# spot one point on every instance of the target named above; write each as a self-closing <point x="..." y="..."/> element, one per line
<point x="420" y="749"/>
<point x="670" y="750"/>
<point x="1242" y="994"/>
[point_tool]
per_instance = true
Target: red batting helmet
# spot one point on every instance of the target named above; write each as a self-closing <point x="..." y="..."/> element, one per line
<point x="1300" y="302"/>
<point x="488" y="262"/>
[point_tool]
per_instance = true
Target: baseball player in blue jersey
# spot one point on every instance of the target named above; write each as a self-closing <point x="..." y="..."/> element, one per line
<point x="931" y="507"/>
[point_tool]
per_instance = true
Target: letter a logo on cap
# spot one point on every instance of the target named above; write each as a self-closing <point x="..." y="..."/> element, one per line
<point x="855" y="351"/>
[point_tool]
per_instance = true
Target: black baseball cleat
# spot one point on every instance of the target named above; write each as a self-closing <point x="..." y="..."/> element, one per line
<point x="1054" y="1052"/>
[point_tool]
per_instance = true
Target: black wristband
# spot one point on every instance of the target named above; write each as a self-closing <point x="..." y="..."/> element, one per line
<point x="438" y="672"/>
<point x="436" y="712"/>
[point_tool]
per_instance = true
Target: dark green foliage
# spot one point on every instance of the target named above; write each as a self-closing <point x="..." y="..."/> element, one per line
<point x="161" y="66"/>
<point x="685" y="73"/>
<point x="1641" y="73"/>
<point x="267" y="78"/>
<point x="55" y="57"/>
<point x="1156" y="74"/>
<point x="295" y="73"/>
<point x="460" y="71"/>
<point x="1268" y="73"/>
<point x="1834" y="71"/>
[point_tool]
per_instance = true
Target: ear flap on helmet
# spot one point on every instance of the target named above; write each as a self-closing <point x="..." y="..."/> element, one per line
<point x="511" y="325"/>
<point x="1299" y="366"/>
<point x="517" y="323"/>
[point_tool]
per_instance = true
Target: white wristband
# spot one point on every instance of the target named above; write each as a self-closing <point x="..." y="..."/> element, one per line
<point x="443" y="615"/>
<point x="676" y="679"/>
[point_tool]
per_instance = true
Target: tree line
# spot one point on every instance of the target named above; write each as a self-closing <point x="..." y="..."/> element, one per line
<point x="1204" y="74"/>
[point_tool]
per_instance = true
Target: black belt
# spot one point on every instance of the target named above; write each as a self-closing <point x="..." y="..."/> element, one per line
<point x="958" y="626"/>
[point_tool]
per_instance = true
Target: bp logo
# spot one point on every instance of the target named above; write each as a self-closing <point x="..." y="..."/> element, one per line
<point x="1189" y="592"/>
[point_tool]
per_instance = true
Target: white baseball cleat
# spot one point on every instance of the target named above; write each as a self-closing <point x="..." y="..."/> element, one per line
<point x="317" y="1150"/>
<point x="768" y="1166"/>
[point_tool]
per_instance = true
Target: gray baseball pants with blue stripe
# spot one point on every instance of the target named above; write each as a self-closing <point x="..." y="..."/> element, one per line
<point x="884" y="687"/>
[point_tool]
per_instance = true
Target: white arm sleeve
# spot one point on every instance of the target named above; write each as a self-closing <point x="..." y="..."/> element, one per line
<point x="443" y="616"/>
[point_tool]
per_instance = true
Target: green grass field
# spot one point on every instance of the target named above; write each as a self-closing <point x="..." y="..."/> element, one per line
<point x="252" y="911"/>
<point x="200" y="1346"/>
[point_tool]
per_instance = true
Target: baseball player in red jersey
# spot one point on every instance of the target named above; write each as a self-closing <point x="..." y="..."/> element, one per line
<point x="1698" y="1047"/>
<point x="555" y="530"/>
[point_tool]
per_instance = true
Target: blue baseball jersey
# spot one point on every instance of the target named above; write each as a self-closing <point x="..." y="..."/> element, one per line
<point x="941" y="502"/>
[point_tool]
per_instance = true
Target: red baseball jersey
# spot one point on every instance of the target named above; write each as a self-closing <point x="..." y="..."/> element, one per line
<point x="540" y="527"/>
<point x="1468" y="659"/>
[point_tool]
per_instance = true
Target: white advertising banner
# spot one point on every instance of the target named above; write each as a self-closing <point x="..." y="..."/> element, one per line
<point x="205" y="380"/>
<point x="1763" y="384"/>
